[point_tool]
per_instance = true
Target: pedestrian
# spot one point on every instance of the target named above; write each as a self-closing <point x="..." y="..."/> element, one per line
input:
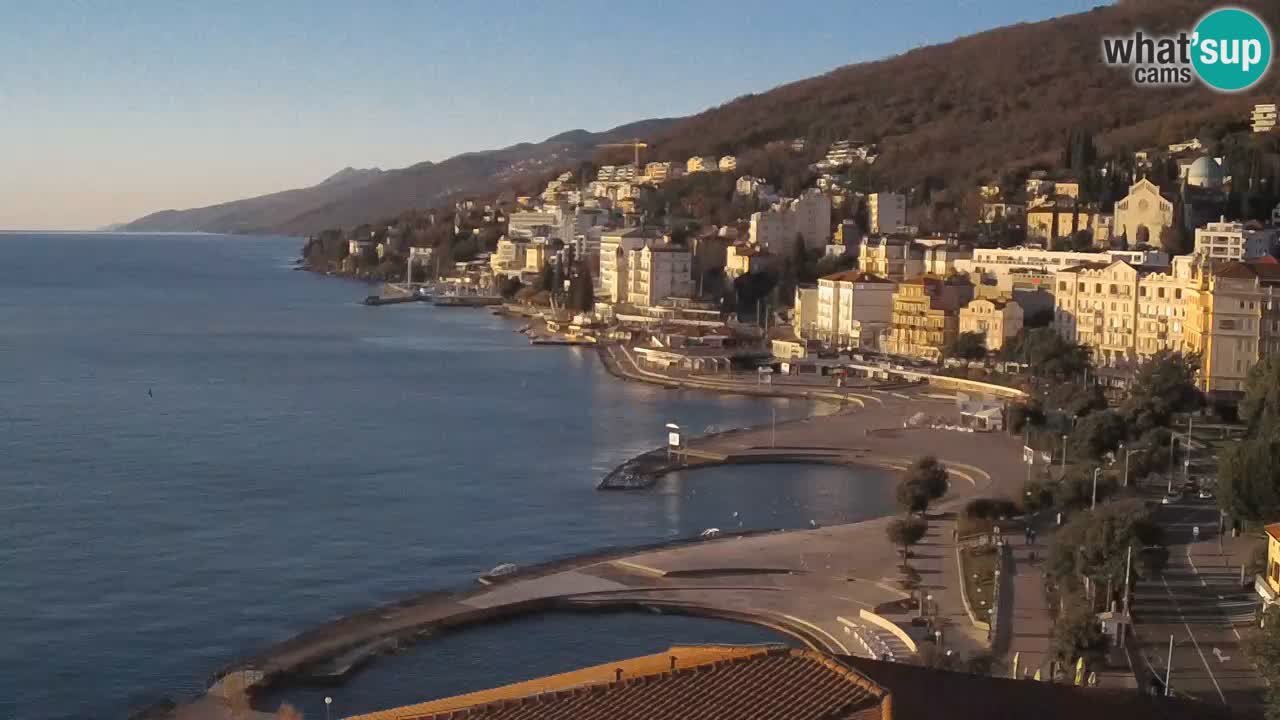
<point x="1195" y="533"/>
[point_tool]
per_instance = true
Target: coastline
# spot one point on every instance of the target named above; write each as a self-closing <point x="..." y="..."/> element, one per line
<point x="346" y="643"/>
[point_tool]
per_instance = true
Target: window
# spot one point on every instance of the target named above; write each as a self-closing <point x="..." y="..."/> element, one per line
<point x="1159" y="292"/>
<point x="1226" y="324"/>
<point x="1177" y="294"/>
<point x="1142" y="292"/>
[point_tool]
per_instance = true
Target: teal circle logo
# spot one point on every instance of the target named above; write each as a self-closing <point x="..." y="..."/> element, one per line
<point x="1231" y="49"/>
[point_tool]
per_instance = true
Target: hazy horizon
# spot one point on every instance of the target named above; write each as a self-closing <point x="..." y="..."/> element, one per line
<point x="118" y="112"/>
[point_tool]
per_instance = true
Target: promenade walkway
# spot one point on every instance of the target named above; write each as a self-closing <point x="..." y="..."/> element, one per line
<point x="811" y="583"/>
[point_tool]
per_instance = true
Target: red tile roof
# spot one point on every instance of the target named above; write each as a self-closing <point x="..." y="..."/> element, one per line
<point x="855" y="276"/>
<point x="767" y="683"/>
<point x="920" y="693"/>
<point x="1274" y="530"/>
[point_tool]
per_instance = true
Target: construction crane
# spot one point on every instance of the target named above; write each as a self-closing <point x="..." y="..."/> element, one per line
<point x="636" y="145"/>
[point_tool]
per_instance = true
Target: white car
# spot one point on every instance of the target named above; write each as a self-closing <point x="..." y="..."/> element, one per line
<point x="1205" y="495"/>
<point x="1171" y="498"/>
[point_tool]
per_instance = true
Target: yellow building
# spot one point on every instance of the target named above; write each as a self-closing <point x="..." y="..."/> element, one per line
<point x="1052" y="221"/>
<point x="996" y="319"/>
<point x="1233" y="321"/>
<point x="926" y="316"/>
<point x="1268" y="584"/>
<point x="1123" y="312"/>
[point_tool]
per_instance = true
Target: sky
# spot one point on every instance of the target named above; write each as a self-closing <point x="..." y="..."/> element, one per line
<point x="112" y="110"/>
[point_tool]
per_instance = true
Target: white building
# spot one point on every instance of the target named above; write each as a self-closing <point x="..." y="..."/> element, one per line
<point x="997" y="263"/>
<point x="1224" y="241"/>
<point x="728" y="163"/>
<point x="853" y="308"/>
<point x="657" y="272"/>
<point x="509" y="257"/>
<point x="996" y="319"/>
<point x="617" y="173"/>
<point x="804" y="318"/>
<point x="528" y="224"/>
<point x="1187" y="146"/>
<point x="616" y="247"/>
<point x="808" y="216"/>
<point x="1264" y="118"/>
<point x="660" y="172"/>
<point x="886" y="212"/>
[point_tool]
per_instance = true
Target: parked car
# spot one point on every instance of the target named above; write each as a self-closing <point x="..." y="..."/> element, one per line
<point x="1171" y="498"/>
<point x="1205" y="494"/>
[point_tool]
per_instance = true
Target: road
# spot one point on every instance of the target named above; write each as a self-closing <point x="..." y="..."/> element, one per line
<point x="1200" y="602"/>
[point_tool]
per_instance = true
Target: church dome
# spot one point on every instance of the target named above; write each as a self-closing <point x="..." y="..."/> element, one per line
<point x="1205" y="173"/>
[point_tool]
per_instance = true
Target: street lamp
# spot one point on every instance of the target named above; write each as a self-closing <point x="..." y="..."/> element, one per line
<point x="1093" y="503"/>
<point x="1127" y="452"/>
<point x="327" y="702"/>
<point x="1064" y="455"/>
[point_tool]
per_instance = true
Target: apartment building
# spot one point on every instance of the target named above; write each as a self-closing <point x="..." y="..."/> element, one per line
<point x="996" y="263"/>
<point x="660" y="172"/>
<point x="1224" y="241"/>
<point x="657" y="272"/>
<point x="996" y="319"/>
<point x="1053" y="220"/>
<point x="852" y="309"/>
<point x="525" y="225"/>
<point x="804" y="316"/>
<point x="1233" y="322"/>
<point x="727" y="163"/>
<point x="941" y="260"/>
<point x="891" y="258"/>
<point x="926" y="316"/>
<point x="743" y="258"/>
<point x="509" y="257"/>
<point x="617" y="173"/>
<point x="1263" y="118"/>
<point x="1123" y="313"/>
<point x="808" y="216"/>
<point x="994" y="212"/>
<point x="616" y="247"/>
<point x="886" y="212"/>
<point x="702" y="163"/>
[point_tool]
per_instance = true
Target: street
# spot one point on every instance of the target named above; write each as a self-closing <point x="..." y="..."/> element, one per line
<point x="1199" y="601"/>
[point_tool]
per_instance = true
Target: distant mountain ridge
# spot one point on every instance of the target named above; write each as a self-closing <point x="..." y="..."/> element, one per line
<point x="353" y="196"/>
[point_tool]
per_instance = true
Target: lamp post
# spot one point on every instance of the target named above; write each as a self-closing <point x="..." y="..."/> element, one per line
<point x="327" y="702"/>
<point x="1127" y="452"/>
<point x="1064" y="455"/>
<point x="1093" y="503"/>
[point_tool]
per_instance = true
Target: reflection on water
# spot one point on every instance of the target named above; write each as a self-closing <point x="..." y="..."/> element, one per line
<point x="754" y="497"/>
<point x="510" y="652"/>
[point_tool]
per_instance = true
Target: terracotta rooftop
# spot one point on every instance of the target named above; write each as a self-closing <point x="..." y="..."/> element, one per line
<point x="685" y="683"/>
<point x="1264" y="271"/>
<point x="917" y="693"/>
<point x="1274" y="530"/>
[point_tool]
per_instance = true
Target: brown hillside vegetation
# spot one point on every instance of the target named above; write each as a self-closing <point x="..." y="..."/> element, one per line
<point x="984" y="104"/>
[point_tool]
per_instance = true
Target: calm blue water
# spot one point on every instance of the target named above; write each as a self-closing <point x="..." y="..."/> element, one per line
<point x="202" y="452"/>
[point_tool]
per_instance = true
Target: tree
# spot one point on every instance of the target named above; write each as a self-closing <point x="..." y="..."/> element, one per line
<point x="905" y="532"/>
<point x="1165" y="384"/>
<point x="1249" y="479"/>
<point x="967" y="346"/>
<point x="831" y="264"/>
<point x="1076" y="633"/>
<point x="1097" y="434"/>
<point x="1095" y="544"/>
<point x="288" y="712"/>
<point x="1264" y="650"/>
<point x="1049" y="356"/>
<point x="1260" y="407"/>
<point x="912" y="497"/>
<point x="929" y="474"/>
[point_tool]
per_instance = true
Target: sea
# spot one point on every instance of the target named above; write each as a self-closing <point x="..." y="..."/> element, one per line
<point x="204" y="451"/>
